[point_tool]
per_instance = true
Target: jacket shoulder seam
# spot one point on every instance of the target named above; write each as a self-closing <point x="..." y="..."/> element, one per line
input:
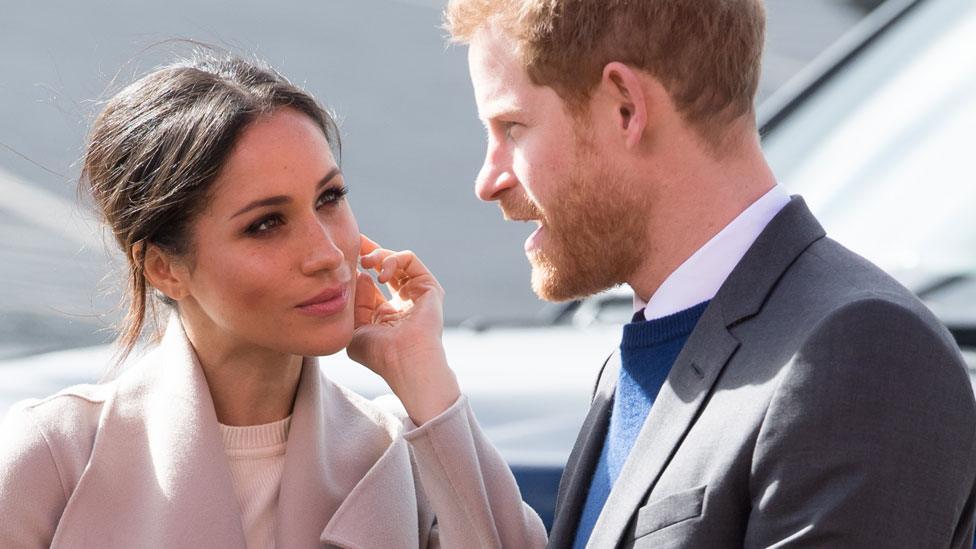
<point x="50" y="452"/>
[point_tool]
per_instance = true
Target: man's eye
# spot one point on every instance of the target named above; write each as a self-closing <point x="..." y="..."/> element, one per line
<point x="264" y="225"/>
<point x="511" y="128"/>
<point x="331" y="196"/>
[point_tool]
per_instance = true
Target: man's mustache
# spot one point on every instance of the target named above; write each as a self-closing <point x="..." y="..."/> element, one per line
<point x="518" y="207"/>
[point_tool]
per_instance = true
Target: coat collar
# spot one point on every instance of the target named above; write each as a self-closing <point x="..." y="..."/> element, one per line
<point x="346" y="466"/>
<point x="707" y="351"/>
<point x="158" y="474"/>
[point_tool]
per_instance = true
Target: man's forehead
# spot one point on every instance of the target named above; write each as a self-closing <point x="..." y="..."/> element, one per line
<point x="501" y="85"/>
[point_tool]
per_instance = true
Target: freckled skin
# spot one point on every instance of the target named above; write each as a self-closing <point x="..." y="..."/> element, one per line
<point x="245" y="288"/>
<point x="544" y="165"/>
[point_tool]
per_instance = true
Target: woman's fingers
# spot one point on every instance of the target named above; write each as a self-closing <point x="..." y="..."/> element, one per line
<point x="413" y="288"/>
<point x="403" y="272"/>
<point x="368" y="299"/>
<point x="374" y="258"/>
<point x="366" y="245"/>
<point x="395" y="268"/>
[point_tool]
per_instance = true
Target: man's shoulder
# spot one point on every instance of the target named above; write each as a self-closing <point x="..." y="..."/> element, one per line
<point x="830" y="302"/>
<point x="858" y="320"/>
<point x="849" y="274"/>
<point x="838" y="283"/>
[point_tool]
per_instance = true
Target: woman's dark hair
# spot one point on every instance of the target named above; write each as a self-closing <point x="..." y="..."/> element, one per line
<point x="159" y="144"/>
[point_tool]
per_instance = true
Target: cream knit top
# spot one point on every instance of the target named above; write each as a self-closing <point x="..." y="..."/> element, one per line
<point x="256" y="455"/>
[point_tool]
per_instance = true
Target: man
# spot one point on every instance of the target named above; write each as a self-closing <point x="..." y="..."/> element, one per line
<point x="774" y="389"/>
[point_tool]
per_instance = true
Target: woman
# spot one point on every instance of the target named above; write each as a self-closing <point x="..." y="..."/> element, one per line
<point x="218" y="181"/>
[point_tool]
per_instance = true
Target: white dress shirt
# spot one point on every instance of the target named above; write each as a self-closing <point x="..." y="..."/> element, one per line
<point x="701" y="275"/>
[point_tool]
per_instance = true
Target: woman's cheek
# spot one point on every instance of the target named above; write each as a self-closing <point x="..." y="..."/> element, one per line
<point x="261" y="277"/>
<point x="350" y="246"/>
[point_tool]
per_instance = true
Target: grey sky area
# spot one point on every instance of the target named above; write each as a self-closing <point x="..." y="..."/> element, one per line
<point x="412" y="143"/>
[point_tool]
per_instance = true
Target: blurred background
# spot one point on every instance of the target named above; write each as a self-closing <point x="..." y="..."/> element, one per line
<point x="412" y="141"/>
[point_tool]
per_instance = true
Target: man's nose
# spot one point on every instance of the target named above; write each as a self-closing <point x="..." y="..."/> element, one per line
<point x="321" y="251"/>
<point x="496" y="175"/>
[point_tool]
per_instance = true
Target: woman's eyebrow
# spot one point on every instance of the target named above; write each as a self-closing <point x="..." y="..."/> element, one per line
<point x="283" y="199"/>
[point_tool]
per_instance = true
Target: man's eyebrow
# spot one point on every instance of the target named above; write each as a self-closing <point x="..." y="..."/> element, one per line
<point x="282" y="199"/>
<point x="508" y="115"/>
<point x="502" y="111"/>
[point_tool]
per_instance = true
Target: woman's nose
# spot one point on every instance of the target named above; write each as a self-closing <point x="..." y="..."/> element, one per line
<point x="320" y="250"/>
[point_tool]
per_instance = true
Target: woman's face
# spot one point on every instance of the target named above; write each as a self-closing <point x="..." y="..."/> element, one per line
<point x="275" y="253"/>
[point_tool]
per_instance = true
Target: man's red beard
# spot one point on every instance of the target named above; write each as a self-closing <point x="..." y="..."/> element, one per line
<point x="593" y="234"/>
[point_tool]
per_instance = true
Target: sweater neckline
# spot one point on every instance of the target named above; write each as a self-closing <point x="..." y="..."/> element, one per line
<point x="649" y="333"/>
<point x="255" y="437"/>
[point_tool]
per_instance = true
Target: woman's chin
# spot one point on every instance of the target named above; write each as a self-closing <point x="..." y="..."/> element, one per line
<point x="325" y="350"/>
<point x="324" y="341"/>
<point x="325" y="347"/>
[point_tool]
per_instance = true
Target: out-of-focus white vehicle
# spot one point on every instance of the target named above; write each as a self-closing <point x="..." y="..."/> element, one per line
<point x="879" y="135"/>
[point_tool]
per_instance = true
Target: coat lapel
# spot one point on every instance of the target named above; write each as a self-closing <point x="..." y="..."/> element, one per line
<point x="706" y="353"/>
<point x="347" y="479"/>
<point x="381" y="511"/>
<point x="307" y="497"/>
<point x="575" y="481"/>
<point x="157" y="470"/>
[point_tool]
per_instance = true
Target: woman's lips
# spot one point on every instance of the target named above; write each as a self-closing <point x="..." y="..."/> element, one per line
<point x="327" y="303"/>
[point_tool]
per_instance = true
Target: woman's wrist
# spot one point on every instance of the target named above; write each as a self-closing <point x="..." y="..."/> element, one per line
<point x="424" y="383"/>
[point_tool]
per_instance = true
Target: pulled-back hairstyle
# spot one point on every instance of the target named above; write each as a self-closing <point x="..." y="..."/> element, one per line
<point x="159" y="144"/>
<point x="706" y="53"/>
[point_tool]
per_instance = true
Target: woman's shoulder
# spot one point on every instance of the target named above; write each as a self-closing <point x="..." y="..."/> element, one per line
<point x="67" y="415"/>
<point x="53" y="434"/>
<point x="68" y="409"/>
<point x="45" y="445"/>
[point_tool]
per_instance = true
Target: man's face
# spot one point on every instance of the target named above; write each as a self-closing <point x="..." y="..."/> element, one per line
<point x="543" y="166"/>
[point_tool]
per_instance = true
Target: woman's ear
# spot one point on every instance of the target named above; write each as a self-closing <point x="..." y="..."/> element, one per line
<point x="163" y="271"/>
<point x="626" y="91"/>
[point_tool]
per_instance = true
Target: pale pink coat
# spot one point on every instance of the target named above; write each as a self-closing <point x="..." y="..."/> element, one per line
<point x="139" y="462"/>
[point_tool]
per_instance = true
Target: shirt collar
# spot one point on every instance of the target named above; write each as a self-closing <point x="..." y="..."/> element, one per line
<point x="699" y="278"/>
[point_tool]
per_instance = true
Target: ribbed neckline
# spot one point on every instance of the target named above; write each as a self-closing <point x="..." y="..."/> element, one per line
<point x="661" y="330"/>
<point x="256" y="437"/>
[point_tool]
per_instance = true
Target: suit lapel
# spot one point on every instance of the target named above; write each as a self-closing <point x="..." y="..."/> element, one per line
<point x="575" y="481"/>
<point x="708" y="350"/>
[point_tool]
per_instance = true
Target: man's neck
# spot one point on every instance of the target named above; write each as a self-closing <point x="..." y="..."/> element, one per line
<point x="698" y="206"/>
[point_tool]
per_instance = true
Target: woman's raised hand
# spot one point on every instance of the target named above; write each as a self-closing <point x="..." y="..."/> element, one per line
<point x="400" y="339"/>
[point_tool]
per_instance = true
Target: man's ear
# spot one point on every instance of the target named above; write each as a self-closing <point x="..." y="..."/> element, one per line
<point x="627" y="94"/>
<point x="163" y="271"/>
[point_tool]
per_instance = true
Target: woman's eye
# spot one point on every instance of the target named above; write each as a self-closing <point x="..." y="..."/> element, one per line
<point x="264" y="225"/>
<point x="331" y="196"/>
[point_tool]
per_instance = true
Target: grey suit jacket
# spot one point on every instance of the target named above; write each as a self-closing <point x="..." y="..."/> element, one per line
<point x="817" y="403"/>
